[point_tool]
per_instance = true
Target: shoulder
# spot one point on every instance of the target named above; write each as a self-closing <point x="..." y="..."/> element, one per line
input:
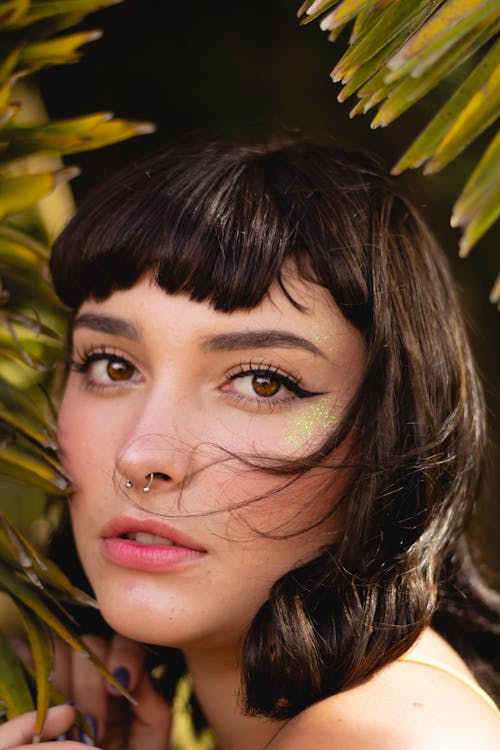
<point x="404" y="705"/>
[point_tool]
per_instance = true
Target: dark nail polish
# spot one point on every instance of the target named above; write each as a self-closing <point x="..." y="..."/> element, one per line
<point x="122" y="675"/>
<point x="92" y="725"/>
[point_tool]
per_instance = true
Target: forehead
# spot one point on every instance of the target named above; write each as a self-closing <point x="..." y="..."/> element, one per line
<point x="297" y="303"/>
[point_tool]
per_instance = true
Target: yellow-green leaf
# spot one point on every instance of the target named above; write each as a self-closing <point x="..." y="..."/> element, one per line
<point x="18" y="192"/>
<point x="394" y="19"/>
<point x="446" y="27"/>
<point x="17" y="550"/>
<point x="28" y="468"/>
<point x="19" y="353"/>
<point x="315" y="9"/>
<point x="14" y="689"/>
<point x="79" y="126"/>
<point x="32" y="599"/>
<point x="488" y="213"/>
<point x="478" y="207"/>
<point x="56" y="698"/>
<point x="15" y="400"/>
<point x="428" y="141"/>
<point x="28" y="427"/>
<point x="409" y="90"/>
<point x="375" y="66"/>
<point x="366" y="72"/>
<point x="7" y="113"/>
<point x="16" y="235"/>
<point x="43" y="658"/>
<point x="11" y="11"/>
<point x="111" y="132"/>
<point x="14" y="252"/>
<point x="480" y="111"/>
<point x="39" y="10"/>
<point x="495" y="292"/>
<point x="63" y="49"/>
<point x="27" y="141"/>
<point x="8" y="64"/>
<point x="480" y="183"/>
<point x="54" y="138"/>
<point x="305" y="6"/>
<point x="345" y="12"/>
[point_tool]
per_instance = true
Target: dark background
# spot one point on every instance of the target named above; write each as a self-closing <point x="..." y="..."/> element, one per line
<point x="248" y="69"/>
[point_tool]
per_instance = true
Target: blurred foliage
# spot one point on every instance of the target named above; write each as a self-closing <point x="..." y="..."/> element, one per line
<point x="398" y="51"/>
<point x="32" y="328"/>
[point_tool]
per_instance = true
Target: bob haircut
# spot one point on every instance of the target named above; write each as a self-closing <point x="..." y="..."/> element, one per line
<point x="218" y="222"/>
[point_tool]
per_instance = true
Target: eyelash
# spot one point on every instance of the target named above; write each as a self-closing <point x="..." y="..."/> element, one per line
<point x="84" y="359"/>
<point x="290" y="382"/>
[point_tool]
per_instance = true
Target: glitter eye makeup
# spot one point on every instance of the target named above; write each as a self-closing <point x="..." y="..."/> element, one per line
<point x="310" y="425"/>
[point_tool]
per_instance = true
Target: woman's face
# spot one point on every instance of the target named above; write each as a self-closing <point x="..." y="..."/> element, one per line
<point x="166" y="386"/>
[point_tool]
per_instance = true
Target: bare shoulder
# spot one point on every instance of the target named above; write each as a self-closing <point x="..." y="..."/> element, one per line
<point x="408" y="705"/>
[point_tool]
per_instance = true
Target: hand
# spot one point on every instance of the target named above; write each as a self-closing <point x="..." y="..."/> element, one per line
<point x="118" y="725"/>
<point x="17" y="734"/>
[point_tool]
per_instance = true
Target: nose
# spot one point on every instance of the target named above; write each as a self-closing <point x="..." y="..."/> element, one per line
<point x="158" y="449"/>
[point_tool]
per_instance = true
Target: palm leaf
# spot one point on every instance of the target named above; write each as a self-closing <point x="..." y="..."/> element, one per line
<point x="24" y="593"/>
<point x="14" y="687"/>
<point x="33" y="327"/>
<point x="43" y="657"/>
<point x="400" y="50"/>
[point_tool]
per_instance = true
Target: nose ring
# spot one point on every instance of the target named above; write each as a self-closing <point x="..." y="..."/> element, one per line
<point x="129" y="484"/>
<point x="147" y="487"/>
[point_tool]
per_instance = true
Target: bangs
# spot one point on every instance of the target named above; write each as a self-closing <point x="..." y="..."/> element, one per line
<point x="209" y="227"/>
<point x="218" y="223"/>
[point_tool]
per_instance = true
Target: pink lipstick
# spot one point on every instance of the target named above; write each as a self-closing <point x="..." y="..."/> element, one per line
<point x="148" y="544"/>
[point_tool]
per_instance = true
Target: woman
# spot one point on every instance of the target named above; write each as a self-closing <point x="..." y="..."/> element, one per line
<point x="275" y="432"/>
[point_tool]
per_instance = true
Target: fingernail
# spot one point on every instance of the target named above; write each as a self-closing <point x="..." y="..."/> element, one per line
<point x="92" y="724"/>
<point x="122" y="676"/>
<point x="62" y="737"/>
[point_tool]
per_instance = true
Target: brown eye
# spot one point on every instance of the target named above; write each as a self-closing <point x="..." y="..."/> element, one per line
<point x="119" y="370"/>
<point x="265" y="385"/>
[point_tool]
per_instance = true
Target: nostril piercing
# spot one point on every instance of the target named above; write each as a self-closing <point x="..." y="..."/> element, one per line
<point x="128" y="484"/>
<point x="148" y="485"/>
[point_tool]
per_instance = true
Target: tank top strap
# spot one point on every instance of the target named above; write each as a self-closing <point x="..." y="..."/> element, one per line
<point x="435" y="664"/>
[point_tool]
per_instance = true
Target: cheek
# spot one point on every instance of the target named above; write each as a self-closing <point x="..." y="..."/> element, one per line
<point x="260" y="504"/>
<point x="84" y="440"/>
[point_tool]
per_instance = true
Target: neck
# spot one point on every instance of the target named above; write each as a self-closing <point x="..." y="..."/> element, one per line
<point x="216" y="682"/>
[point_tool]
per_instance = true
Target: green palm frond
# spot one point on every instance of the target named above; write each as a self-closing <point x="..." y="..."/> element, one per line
<point x="398" y="51"/>
<point x="33" y="325"/>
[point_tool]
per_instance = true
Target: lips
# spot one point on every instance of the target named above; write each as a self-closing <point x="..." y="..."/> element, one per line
<point x="127" y="527"/>
<point x="147" y="544"/>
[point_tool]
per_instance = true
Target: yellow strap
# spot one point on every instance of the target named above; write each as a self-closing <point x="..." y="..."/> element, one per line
<point x="430" y="662"/>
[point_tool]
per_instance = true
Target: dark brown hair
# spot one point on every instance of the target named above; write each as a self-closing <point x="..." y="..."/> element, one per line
<point x="218" y="222"/>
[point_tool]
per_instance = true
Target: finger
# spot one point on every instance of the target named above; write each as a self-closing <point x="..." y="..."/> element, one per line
<point x="125" y="662"/>
<point x="19" y="731"/>
<point x="149" y="720"/>
<point x="89" y="686"/>
<point x="62" y="678"/>
<point x="21" y="648"/>
<point x="150" y="726"/>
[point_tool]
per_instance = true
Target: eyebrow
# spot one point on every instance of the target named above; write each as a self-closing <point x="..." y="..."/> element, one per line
<point x="108" y="324"/>
<point x="266" y="339"/>
<point x="223" y="342"/>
